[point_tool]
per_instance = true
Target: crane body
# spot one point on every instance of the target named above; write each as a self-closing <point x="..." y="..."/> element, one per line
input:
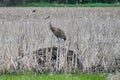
<point x="57" y="31"/>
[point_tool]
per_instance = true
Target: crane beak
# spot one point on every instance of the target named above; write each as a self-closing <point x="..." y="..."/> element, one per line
<point x="47" y="17"/>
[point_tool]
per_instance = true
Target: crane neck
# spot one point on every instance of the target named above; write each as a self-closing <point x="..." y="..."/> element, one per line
<point x="51" y="25"/>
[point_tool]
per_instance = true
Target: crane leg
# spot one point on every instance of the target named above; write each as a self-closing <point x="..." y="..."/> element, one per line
<point x="57" y="61"/>
<point x="58" y="40"/>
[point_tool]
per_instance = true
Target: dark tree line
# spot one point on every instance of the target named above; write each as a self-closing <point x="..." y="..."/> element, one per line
<point x="15" y="2"/>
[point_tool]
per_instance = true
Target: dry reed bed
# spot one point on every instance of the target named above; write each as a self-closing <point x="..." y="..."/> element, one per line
<point x="113" y="76"/>
<point x="92" y="32"/>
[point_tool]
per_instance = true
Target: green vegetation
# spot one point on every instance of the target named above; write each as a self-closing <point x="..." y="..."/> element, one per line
<point x="45" y="4"/>
<point x="16" y="2"/>
<point x="33" y="76"/>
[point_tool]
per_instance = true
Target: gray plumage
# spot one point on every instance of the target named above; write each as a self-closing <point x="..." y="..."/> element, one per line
<point x="57" y="31"/>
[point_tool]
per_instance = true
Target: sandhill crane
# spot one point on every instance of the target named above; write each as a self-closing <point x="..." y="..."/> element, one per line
<point x="60" y="35"/>
<point x="57" y="31"/>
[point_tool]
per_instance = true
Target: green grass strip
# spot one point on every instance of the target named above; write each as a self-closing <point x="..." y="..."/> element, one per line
<point x="45" y="4"/>
<point x="33" y="76"/>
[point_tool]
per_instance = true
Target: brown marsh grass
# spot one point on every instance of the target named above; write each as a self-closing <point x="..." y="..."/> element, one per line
<point x="94" y="33"/>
